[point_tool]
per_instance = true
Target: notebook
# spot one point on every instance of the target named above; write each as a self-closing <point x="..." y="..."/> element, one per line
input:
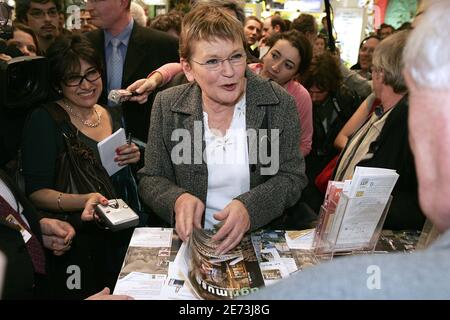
<point x="107" y="150"/>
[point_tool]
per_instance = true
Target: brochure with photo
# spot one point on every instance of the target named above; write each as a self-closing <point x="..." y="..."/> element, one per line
<point x="226" y="276"/>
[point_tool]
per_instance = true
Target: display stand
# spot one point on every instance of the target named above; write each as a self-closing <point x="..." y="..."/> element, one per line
<point x="350" y="226"/>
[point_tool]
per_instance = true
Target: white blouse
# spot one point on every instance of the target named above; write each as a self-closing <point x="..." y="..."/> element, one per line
<point x="228" y="164"/>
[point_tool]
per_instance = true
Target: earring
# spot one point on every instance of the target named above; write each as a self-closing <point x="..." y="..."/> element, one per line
<point x="59" y="91"/>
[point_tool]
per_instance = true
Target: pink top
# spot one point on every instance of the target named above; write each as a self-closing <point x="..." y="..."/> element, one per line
<point x="304" y="108"/>
<point x="295" y="89"/>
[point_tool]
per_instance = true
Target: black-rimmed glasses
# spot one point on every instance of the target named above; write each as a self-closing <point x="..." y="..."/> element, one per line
<point x="216" y="64"/>
<point x="40" y="14"/>
<point x="76" y="80"/>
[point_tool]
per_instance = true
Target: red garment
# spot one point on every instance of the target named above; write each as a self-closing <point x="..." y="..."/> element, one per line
<point x="325" y="175"/>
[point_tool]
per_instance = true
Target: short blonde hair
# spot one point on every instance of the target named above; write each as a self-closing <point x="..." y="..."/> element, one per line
<point x="208" y="24"/>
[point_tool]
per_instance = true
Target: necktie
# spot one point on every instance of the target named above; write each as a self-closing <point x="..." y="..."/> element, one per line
<point x="115" y="66"/>
<point x="33" y="245"/>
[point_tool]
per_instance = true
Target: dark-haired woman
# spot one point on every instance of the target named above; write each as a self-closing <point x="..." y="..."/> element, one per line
<point x="75" y="71"/>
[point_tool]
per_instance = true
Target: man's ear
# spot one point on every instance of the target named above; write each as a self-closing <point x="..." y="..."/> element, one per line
<point x="277" y="28"/>
<point x="187" y="69"/>
<point x="125" y="3"/>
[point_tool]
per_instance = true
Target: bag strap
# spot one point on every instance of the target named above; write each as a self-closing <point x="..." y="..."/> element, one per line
<point x="62" y="119"/>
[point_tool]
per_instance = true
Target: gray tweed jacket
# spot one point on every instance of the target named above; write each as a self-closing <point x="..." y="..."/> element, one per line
<point x="162" y="181"/>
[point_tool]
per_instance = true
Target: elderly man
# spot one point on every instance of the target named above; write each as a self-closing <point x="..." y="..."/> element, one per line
<point x="382" y="141"/>
<point x="423" y="274"/>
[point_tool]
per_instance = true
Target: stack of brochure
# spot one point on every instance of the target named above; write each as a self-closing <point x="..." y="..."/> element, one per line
<point x="353" y="211"/>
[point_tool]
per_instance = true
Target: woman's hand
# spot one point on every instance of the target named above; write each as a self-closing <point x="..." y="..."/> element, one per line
<point x="188" y="214"/>
<point x="57" y="235"/>
<point x="128" y="153"/>
<point x="236" y="224"/>
<point x="4" y="57"/>
<point x="143" y="87"/>
<point x="94" y="199"/>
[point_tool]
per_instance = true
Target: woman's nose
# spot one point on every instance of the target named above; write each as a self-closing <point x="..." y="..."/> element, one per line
<point x="227" y="68"/>
<point x="276" y="66"/>
<point x="25" y="51"/>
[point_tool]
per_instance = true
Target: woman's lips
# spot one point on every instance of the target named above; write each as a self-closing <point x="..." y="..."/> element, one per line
<point x="229" y="87"/>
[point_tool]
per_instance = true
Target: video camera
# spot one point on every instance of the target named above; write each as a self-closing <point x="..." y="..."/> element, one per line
<point x="23" y="79"/>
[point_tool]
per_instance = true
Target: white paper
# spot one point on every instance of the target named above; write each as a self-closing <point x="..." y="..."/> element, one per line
<point x="300" y="239"/>
<point x="141" y="286"/>
<point x="107" y="150"/>
<point x="373" y="182"/>
<point x="290" y="264"/>
<point x="182" y="260"/>
<point x="151" y="237"/>
<point x="359" y="222"/>
<point x="176" y="287"/>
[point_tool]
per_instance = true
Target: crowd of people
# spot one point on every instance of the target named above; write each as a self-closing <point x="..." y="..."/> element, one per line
<point x="239" y="117"/>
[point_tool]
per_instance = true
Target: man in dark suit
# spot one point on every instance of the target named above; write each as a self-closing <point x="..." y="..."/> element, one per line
<point x="23" y="235"/>
<point x="139" y="51"/>
<point x="20" y="228"/>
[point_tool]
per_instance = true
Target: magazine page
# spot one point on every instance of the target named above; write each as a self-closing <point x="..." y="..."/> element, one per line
<point x="277" y="258"/>
<point x="226" y="276"/>
<point x="145" y="270"/>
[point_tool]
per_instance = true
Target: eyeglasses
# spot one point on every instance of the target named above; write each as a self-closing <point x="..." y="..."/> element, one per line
<point x="235" y="60"/>
<point x="40" y="14"/>
<point x="76" y="80"/>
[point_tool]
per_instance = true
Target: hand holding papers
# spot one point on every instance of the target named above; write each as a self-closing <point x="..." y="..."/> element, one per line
<point x="107" y="150"/>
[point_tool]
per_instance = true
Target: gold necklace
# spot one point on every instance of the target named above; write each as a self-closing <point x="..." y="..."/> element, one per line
<point x="87" y="123"/>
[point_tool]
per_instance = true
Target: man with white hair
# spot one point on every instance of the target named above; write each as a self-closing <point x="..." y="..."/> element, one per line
<point x="423" y="274"/>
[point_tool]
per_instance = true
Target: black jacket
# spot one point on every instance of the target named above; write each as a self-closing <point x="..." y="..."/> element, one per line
<point x="20" y="280"/>
<point x="148" y="49"/>
<point x="391" y="150"/>
<point x="340" y="105"/>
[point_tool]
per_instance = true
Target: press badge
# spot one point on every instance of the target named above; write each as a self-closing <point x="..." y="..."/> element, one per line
<point x="25" y="234"/>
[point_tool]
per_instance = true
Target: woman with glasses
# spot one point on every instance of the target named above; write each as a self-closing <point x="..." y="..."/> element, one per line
<point x="289" y="55"/>
<point x="222" y="150"/>
<point x="75" y="71"/>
